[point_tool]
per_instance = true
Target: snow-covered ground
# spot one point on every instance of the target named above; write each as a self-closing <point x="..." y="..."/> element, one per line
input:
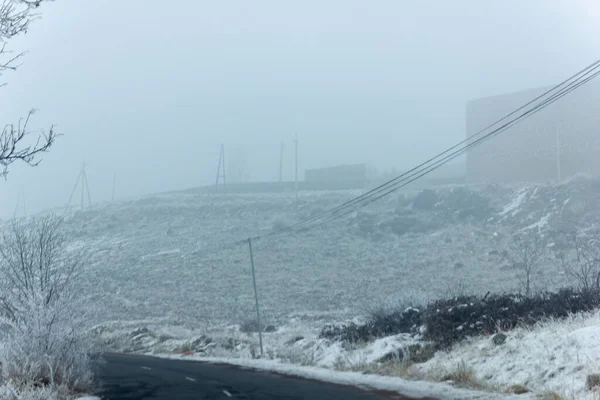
<point x="152" y="267"/>
<point x="150" y="260"/>
<point x="554" y="357"/>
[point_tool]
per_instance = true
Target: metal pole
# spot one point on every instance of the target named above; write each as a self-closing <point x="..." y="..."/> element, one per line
<point x="281" y="163"/>
<point x="74" y="189"/>
<point x="558" y="172"/>
<point x="114" y="183"/>
<point x="296" y="172"/>
<point x="256" y="298"/>
<point x="219" y="169"/>
<point x="223" y="152"/>
<point x="24" y="204"/>
<point x="87" y="187"/>
<point x="18" y="203"/>
<point x="82" y="182"/>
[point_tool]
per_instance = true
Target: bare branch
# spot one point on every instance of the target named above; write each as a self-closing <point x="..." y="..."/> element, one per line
<point x="15" y="18"/>
<point x="524" y="256"/>
<point x="583" y="262"/>
<point x="13" y="148"/>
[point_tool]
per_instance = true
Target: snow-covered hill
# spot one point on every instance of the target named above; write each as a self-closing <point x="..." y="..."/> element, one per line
<point x="149" y="256"/>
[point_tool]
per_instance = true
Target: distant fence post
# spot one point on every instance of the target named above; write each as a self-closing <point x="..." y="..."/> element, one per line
<point x="256" y="298"/>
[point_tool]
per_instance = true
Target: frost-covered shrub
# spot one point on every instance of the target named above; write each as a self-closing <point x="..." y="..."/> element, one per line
<point x="402" y="225"/>
<point x="380" y="323"/>
<point x="425" y="200"/>
<point x="468" y="204"/>
<point x="449" y="321"/>
<point x="42" y="340"/>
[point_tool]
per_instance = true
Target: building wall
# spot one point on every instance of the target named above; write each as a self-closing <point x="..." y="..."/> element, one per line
<point x="341" y="173"/>
<point x="559" y="141"/>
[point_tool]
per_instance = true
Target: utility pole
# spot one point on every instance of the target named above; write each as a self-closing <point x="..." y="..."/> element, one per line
<point x="221" y="174"/>
<point x="113" y="187"/>
<point x="281" y="163"/>
<point x="558" y="166"/>
<point x="20" y="198"/>
<point x="296" y="162"/>
<point x="81" y="180"/>
<point x="259" y="325"/>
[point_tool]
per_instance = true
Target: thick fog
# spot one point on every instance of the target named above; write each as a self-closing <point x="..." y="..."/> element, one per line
<point x="149" y="90"/>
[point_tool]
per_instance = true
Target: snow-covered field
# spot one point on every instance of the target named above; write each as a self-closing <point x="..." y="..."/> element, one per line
<point x="151" y="268"/>
<point x="148" y="255"/>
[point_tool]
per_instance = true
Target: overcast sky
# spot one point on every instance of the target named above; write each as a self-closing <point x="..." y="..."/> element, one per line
<point x="149" y="89"/>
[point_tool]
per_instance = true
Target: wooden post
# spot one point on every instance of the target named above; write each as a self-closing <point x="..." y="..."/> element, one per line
<point x="82" y="182"/>
<point x="74" y="189"/>
<point x="296" y="169"/>
<point x="221" y="164"/>
<point x="281" y="163"/>
<point x="113" y="187"/>
<point x="256" y="298"/>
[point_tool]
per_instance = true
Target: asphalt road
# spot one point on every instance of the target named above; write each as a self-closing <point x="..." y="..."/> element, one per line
<point x="127" y="377"/>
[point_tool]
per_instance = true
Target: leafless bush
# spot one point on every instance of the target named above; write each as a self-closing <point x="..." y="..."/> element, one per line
<point x="524" y="255"/>
<point x="40" y="323"/>
<point x="582" y="264"/>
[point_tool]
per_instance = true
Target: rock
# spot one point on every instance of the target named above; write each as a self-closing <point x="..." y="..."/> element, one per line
<point x="201" y="341"/>
<point x="163" y="337"/>
<point x="294" y="340"/>
<point x="517" y="389"/>
<point x="270" y="329"/>
<point x="592" y="381"/>
<point x="499" y="339"/>
<point x="459" y="265"/>
<point x="414" y="353"/>
<point x="394" y="355"/>
<point x="138" y="331"/>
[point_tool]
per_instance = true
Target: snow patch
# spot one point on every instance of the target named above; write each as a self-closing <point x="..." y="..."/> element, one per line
<point x="555" y="356"/>
<point x="540" y="224"/>
<point x="415" y="389"/>
<point x="513" y="206"/>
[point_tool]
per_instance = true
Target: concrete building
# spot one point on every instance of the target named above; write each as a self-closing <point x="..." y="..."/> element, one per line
<point x="559" y="141"/>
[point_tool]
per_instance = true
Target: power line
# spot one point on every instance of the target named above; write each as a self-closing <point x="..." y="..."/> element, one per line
<point x="580" y="78"/>
<point x="334" y="212"/>
<point x="439" y="163"/>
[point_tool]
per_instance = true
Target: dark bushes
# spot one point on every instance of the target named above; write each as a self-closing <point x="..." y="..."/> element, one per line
<point x="380" y="324"/>
<point x="450" y="321"/>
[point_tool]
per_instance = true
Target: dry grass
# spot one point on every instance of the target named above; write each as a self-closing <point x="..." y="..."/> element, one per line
<point x="462" y="376"/>
<point x="517" y="389"/>
<point x="402" y="369"/>
<point x="550" y="396"/>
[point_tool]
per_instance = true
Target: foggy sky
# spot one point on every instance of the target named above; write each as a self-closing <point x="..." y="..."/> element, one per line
<point x="149" y="89"/>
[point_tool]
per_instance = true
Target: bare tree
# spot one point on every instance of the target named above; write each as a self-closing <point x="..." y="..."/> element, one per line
<point x="583" y="264"/>
<point x="15" y="19"/>
<point x="39" y="319"/>
<point x="524" y="255"/>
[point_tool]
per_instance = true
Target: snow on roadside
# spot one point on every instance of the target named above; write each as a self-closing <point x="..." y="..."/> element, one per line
<point x="406" y="387"/>
<point x="8" y="392"/>
<point x="553" y="356"/>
